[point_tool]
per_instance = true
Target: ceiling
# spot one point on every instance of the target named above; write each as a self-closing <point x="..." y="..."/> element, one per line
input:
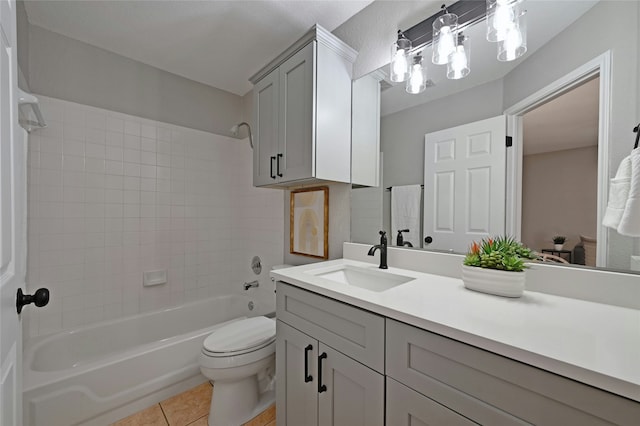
<point x="569" y="121"/>
<point x="218" y="43"/>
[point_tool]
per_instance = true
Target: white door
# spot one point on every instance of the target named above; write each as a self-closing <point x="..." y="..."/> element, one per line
<point x="464" y="184"/>
<point x="12" y="222"/>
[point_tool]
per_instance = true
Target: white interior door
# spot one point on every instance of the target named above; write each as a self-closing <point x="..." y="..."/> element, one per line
<point x="12" y="222"/>
<point x="464" y="184"/>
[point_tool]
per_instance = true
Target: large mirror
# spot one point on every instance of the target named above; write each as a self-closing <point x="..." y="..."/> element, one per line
<point x="571" y="143"/>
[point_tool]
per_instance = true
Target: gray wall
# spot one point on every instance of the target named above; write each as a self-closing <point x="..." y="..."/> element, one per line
<point x="65" y="68"/>
<point x="23" y="45"/>
<point x="402" y="133"/>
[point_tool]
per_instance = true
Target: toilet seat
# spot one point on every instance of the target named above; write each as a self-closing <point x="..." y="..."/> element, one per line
<point x="240" y="337"/>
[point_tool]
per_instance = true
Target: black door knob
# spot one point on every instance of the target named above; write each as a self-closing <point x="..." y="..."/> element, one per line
<point x="428" y="239"/>
<point x="39" y="298"/>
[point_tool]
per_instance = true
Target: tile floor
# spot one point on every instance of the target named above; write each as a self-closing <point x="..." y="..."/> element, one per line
<point x="190" y="408"/>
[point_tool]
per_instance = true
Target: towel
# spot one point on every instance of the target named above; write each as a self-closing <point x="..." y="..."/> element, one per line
<point x="618" y="194"/>
<point x="405" y="213"/>
<point x="630" y="222"/>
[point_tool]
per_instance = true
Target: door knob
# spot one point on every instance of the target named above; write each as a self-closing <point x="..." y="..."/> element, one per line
<point x="39" y="298"/>
<point x="428" y="239"/>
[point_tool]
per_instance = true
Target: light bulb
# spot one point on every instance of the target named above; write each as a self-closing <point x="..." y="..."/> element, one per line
<point x="446" y="45"/>
<point x="416" y="80"/>
<point x="503" y="19"/>
<point x="512" y="42"/>
<point x="458" y="63"/>
<point x="399" y="65"/>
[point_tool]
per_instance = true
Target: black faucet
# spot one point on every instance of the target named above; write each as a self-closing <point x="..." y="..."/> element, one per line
<point x="383" y="250"/>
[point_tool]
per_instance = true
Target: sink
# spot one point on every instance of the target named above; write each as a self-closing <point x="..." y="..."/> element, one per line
<point x="369" y="279"/>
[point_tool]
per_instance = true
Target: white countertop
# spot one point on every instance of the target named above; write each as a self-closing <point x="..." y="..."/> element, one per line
<point x="593" y="343"/>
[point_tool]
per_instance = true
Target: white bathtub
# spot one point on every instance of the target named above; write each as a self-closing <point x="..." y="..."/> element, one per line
<point x="98" y="374"/>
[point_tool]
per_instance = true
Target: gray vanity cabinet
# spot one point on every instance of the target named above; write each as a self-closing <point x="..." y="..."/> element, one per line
<point x="490" y="389"/>
<point x="302" y="113"/>
<point x="322" y="380"/>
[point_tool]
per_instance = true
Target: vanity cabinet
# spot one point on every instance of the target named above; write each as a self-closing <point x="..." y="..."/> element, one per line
<point x="329" y="361"/>
<point x="302" y="113"/>
<point x="486" y="388"/>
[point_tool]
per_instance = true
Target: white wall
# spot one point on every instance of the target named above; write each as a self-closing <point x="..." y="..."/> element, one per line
<point x="113" y="195"/>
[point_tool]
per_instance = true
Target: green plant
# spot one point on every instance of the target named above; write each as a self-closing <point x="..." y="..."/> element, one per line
<point x="502" y="253"/>
<point x="559" y="239"/>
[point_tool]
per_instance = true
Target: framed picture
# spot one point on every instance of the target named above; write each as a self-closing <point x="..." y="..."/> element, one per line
<point x="309" y="229"/>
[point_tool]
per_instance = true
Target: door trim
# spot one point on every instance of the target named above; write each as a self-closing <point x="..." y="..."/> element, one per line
<point x="601" y="65"/>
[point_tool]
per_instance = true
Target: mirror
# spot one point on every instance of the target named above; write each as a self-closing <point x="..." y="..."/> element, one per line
<point x="562" y="37"/>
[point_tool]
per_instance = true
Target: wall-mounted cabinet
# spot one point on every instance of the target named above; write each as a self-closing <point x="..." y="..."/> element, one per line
<point x="302" y="113"/>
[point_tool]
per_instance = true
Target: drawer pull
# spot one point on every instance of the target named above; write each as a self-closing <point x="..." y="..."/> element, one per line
<point x="307" y="377"/>
<point x="321" y="387"/>
<point x="278" y="165"/>
<point x="271" y="175"/>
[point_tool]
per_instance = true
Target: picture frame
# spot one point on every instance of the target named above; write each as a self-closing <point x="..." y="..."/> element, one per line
<point x="309" y="222"/>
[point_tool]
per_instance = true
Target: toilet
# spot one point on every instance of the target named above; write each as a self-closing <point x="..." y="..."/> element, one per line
<point x="239" y="358"/>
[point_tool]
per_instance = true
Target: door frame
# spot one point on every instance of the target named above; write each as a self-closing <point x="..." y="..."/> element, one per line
<point x="601" y="65"/>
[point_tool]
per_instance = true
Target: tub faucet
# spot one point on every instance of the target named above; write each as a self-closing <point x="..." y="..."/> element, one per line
<point x="383" y="250"/>
<point x="255" y="283"/>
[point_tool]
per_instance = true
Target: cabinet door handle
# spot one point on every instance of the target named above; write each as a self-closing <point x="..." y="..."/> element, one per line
<point x="321" y="387"/>
<point x="278" y="165"/>
<point x="307" y="377"/>
<point x="271" y="168"/>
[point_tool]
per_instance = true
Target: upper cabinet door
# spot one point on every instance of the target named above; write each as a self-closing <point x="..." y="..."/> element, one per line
<point x="266" y="111"/>
<point x="297" y="115"/>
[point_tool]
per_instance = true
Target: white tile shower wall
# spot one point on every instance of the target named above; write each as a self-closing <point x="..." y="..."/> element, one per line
<point x="112" y="195"/>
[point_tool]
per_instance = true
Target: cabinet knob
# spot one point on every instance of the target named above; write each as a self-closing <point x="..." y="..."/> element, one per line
<point x="39" y="298"/>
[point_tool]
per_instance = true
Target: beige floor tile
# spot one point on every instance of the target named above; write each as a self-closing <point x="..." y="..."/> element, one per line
<point x="152" y="416"/>
<point x="263" y="418"/>
<point x="189" y="406"/>
<point x="203" y="421"/>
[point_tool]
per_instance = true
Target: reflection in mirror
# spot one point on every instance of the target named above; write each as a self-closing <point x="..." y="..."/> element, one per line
<point x="562" y="37"/>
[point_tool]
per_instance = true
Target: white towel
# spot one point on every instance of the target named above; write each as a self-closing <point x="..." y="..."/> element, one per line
<point x="405" y="213"/>
<point x="630" y="222"/>
<point x="618" y="194"/>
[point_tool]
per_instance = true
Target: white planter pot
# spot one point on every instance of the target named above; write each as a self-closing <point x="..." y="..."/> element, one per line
<point x="493" y="281"/>
<point x="558" y="246"/>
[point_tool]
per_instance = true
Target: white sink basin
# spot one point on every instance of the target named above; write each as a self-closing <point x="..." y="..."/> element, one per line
<point x="370" y="279"/>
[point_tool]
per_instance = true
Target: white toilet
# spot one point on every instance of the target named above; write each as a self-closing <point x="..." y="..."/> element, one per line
<point x="240" y="360"/>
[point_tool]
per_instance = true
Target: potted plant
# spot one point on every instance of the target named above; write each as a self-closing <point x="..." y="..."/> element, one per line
<point x="496" y="266"/>
<point x="558" y="242"/>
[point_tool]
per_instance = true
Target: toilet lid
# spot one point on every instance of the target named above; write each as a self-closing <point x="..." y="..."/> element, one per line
<point x="241" y="335"/>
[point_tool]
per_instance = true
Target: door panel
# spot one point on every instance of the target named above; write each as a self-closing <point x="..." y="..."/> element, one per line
<point x="354" y="394"/>
<point x="299" y="405"/>
<point x="12" y="221"/>
<point x="265" y="107"/>
<point x="297" y="115"/>
<point x="464" y="184"/>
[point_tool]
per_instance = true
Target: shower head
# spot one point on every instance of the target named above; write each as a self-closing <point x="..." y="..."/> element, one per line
<point x="234" y="131"/>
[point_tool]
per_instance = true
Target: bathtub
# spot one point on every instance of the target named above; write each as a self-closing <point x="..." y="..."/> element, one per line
<point x="97" y="374"/>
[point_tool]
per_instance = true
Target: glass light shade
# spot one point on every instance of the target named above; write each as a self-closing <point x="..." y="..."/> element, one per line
<point x="417" y="82"/>
<point x="515" y="43"/>
<point x="400" y="59"/>
<point x="445" y="32"/>
<point x="458" y="65"/>
<point x="501" y="15"/>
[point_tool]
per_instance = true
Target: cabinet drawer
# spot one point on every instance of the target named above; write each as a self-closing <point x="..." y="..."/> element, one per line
<point x="406" y="407"/>
<point x="354" y="332"/>
<point x="485" y="387"/>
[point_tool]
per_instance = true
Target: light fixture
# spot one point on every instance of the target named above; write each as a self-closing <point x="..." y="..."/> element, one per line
<point x="445" y="32"/>
<point x="400" y="58"/>
<point x="458" y="65"/>
<point x="514" y="44"/>
<point x="417" y="82"/>
<point x="505" y="25"/>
